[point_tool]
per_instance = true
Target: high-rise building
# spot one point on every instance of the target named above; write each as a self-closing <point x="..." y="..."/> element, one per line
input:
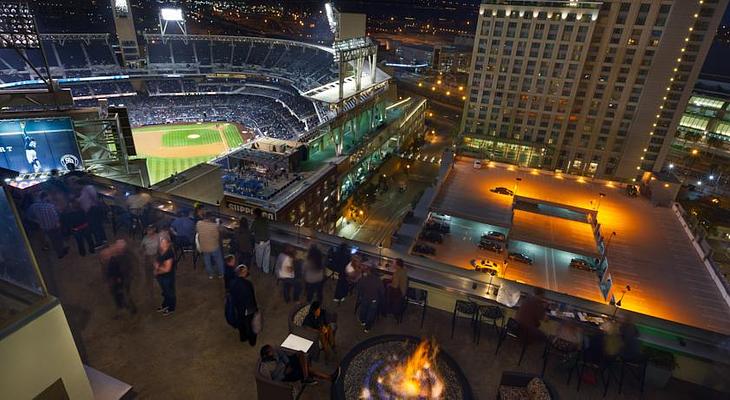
<point x="593" y="88"/>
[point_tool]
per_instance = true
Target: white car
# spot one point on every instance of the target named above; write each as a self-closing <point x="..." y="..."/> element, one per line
<point x="477" y="164"/>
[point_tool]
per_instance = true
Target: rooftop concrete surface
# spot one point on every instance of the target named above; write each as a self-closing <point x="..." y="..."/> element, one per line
<point x="194" y="354"/>
<point x="554" y="232"/>
<point x="650" y="251"/>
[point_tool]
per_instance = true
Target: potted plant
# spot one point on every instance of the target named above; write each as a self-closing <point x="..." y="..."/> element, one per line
<point x="660" y="365"/>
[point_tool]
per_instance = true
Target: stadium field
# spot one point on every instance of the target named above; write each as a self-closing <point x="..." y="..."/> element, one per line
<point x="175" y="148"/>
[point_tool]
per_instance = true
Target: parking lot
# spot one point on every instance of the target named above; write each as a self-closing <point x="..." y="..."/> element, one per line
<point x="650" y="251"/>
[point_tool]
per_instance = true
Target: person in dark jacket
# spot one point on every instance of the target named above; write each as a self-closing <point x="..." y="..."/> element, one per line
<point x="242" y="243"/>
<point x="339" y="261"/>
<point x="229" y="270"/>
<point x="74" y="219"/>
<point x="244" y="299"/>
<point x="370" y="292"/>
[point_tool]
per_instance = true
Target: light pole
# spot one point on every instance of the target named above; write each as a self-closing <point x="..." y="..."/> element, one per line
<point x="517" y="183"/>
<point x="600" y="196"/>
<point x="618" y="303"/>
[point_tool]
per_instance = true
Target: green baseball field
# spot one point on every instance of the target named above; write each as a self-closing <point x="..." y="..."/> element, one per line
<point x="171" y="149"/>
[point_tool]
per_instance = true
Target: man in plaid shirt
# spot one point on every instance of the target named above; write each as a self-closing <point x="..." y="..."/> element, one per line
<point x="44" y="213"/>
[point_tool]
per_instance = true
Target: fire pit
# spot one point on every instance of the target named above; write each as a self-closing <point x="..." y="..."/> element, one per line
<point x="393" y="367"/>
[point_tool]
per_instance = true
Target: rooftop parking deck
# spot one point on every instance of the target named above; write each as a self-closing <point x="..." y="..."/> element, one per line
<point x="651" y="251"/>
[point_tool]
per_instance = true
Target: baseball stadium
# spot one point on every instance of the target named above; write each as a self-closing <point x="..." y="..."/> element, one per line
<point x="171" y="149"/>
<point x="271" y="116"/>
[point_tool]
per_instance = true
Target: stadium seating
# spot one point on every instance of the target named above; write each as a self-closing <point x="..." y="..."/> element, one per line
<point x="306" y="66"/>
<point x="68" y="56"/>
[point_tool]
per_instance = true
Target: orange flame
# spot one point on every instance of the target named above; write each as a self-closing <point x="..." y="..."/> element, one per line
<point x="415" y="378"/>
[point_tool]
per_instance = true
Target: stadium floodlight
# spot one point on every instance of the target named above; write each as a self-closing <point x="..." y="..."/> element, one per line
<point x="330" y="10"/>
<point x="171" y="14"/>
<point x="17" y="27"/>
<point x="121" y="7"/>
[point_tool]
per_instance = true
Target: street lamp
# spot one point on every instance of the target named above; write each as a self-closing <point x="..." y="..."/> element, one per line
<point x="517" y="182"/>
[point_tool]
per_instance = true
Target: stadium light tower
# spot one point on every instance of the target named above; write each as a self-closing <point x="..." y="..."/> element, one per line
<point x="172" y="16"/>
<point x="18" y="30"/>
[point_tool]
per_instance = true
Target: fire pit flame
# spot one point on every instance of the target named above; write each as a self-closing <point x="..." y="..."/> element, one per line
<point x="415" y="378"/>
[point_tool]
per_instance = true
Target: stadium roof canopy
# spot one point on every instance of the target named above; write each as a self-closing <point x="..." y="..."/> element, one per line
<point x="330" y="92"/>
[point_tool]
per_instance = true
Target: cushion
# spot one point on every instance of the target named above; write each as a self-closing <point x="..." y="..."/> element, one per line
<point x="537" y="390"/>
<point x="299" y="316"/>
<point x="513" y="393"/>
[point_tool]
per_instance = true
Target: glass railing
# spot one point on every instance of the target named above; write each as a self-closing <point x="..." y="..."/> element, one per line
<point x="21" y="287"/>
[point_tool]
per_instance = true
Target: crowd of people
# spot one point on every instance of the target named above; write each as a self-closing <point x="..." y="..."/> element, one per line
<point x="267" y="116"/>
<point x="70" y="206"/>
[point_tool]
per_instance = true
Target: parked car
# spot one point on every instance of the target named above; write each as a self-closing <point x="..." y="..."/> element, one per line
<point x="490" y="246"/>
<point x="494" y="235"/>
<point x="431" y="236"/>
<point x="477" y="164"/>
<point x="520" y="257"/>
<point x="633" y="190"/>
<point x="502" y="190"/>
<point x="438" y="226"/>
<point x="485" y="266"/>
<point x="422" y="248"/>
<point x="581" y="264"/>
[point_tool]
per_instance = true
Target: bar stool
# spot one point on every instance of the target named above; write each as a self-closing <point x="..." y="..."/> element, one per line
<point x="417" y="297"/>
<point x="464" y="309"/>
<point x="563" y="348"/>
<point x="512" y="329"/>
<point x="589" y="360"/>
<point x="635" y="367"/>
<point x="490" y="314"/>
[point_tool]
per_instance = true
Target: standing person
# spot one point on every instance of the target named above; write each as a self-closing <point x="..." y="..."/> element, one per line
<point x="209" y="240"/>
<point x="262" y="248"/>
<point x="229" y="271"/>
<point x="137" y="204"/>
<point x="244" y="299"/>
<point x="397" y="288"/>
<point x="340" y="260"/>
<point x="165" y="273"/>
<point x="531" y="313"/>
<point x="370" y="294"/>
<point x="313" y="274"/>
<point x="94" y="209"/>
<point x="75" y="219"/>
<point x="118" y="274"/>
<point x="150" y="246"/>
<point x="44" y="213"/>
<point x="286" y="272"/>
<point x="242" y="242"/>
<point x="183" y="229"/>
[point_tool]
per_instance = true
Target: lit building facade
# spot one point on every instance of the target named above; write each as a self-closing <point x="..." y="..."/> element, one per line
<point x="591" y="88"/>
<point x="705" y="127"/>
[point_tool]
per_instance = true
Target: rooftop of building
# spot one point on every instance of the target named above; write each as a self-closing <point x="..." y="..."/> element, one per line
<point x="650" y="251"/>
<point x="195" y="354"/>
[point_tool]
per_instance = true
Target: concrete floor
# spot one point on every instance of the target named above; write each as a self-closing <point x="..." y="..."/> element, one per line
<point x="651" y="252"/>
<point x="194" y="354"/>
